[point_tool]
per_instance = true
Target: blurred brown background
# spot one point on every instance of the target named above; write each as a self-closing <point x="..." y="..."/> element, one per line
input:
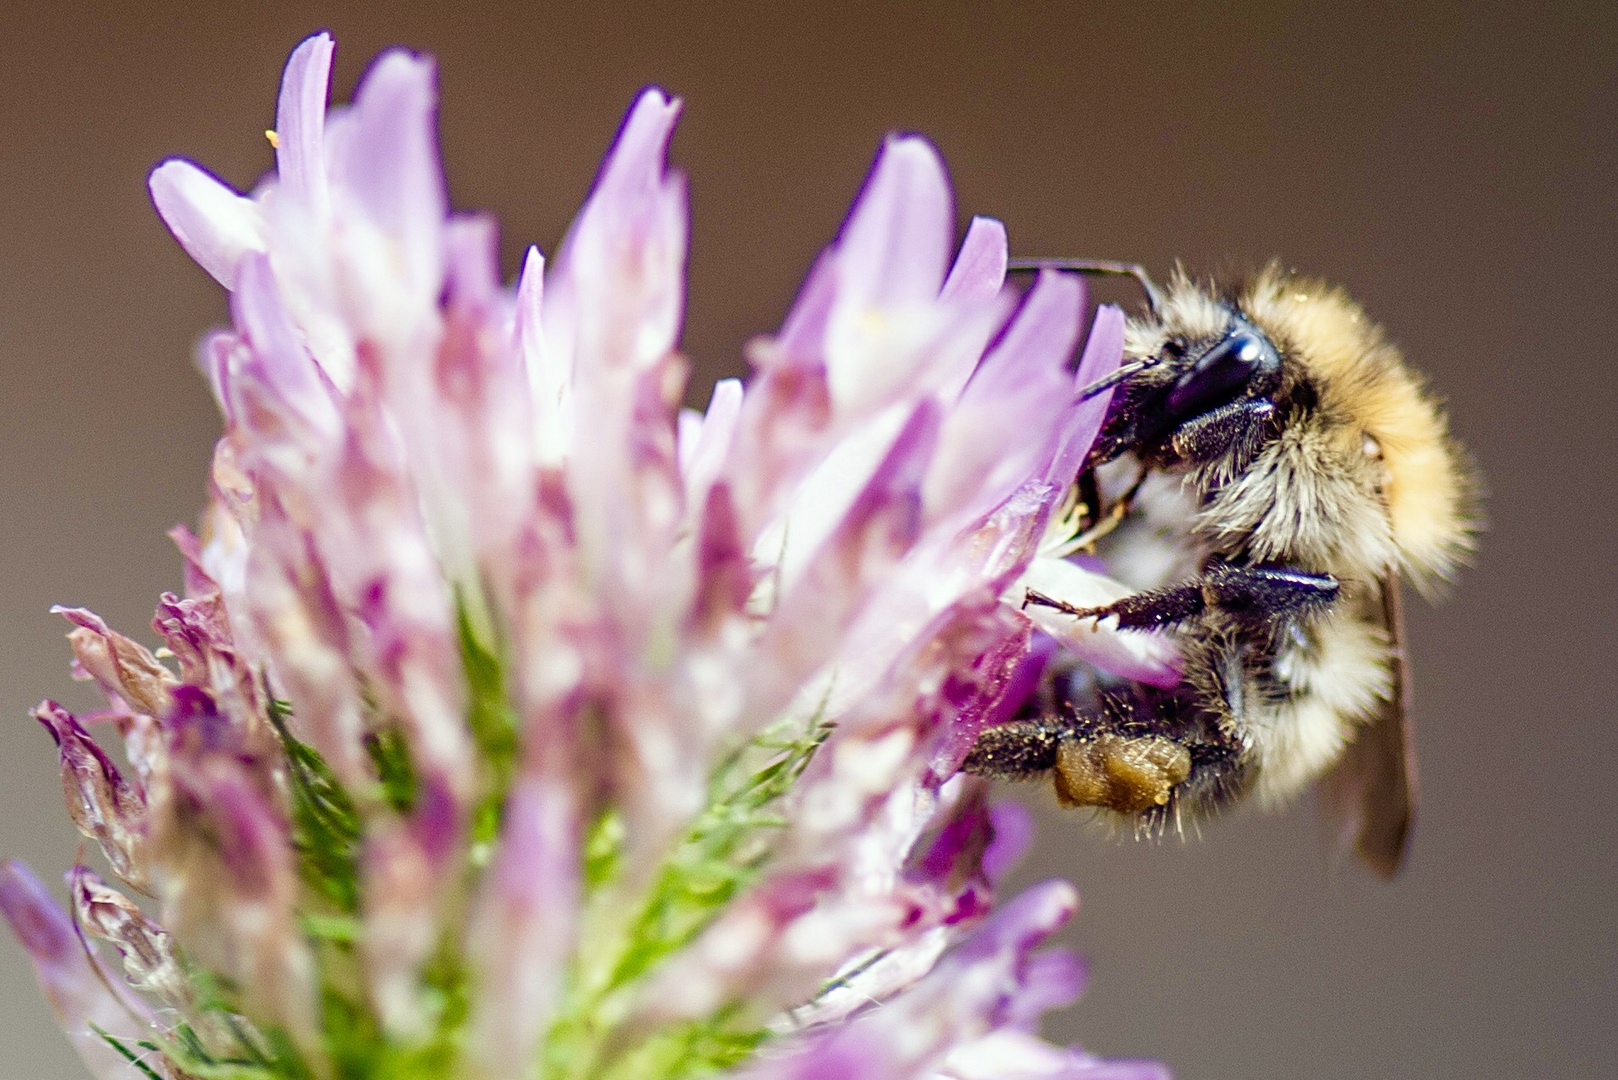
<point x="1455" y="167"/>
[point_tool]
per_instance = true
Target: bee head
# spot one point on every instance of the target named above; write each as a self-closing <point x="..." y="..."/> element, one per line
<point x="1195" y="358"/>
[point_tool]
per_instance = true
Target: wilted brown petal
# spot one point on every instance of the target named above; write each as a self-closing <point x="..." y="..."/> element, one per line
<point x="105" y="806"/>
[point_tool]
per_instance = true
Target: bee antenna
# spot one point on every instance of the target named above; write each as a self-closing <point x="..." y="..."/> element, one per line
<point x="1154" y="295"/>
<point x="1119" y="374"/>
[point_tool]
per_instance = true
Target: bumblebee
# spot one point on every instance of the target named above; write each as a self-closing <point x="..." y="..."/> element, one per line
<point x="1267" y="472"/>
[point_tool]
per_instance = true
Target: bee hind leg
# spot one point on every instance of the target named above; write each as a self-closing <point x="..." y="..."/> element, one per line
<point x="1016" y="750"/>
<point x="1096" y="759"/>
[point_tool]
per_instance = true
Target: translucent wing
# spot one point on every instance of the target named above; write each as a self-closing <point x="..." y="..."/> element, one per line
<point x="1369" y="798"/>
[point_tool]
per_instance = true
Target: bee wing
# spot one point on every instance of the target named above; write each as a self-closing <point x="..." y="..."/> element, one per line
<point x="1369" y="798"/>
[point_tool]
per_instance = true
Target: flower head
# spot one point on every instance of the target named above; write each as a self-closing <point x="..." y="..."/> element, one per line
<point x="514" y="722"/>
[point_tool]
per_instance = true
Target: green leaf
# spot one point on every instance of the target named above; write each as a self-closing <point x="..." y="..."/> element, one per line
<point x="723" y="852"/>
<point x="325" y="824"/>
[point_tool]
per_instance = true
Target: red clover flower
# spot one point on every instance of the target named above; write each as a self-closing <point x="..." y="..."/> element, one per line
<point x="516" y="724"/>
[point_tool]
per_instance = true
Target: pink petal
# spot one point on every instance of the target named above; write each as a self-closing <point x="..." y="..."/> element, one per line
<point x="472" y="270"/>
<point x="279" y="364"/>
<point x="524" y="923"/>
<point x="1001" y="433"/>
<point x="895" y="246"/>
<point x="407" y="871"/>
<point x="1102" y="354"/>
<point x="713" y="439"/>
<point x="801" y="341"/>
<point x="78" y="987"/>
<point x="633" y="171"/>
<point x="623" y="263"/>
<point x="1009" y="1054"/>
<point x="300" y="123"/>
<point x="214" y="225"/>
<point x="549" y="366"/>
<point x="881" y="525"/>
<point x="980" y="268"/>
<point x="290" y="601"/>
<point x="1037" y="343"/>
<point x="974" y="990"/>
<point x="388" y="162"/>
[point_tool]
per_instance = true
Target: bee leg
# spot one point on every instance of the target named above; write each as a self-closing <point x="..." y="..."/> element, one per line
<point x="1232" y="433"/>
<point x="1260" y="595"/>
<point x="1137" y="611"/>
<point x="1101" y="758"/>
<point x="1131" y="774"/>
<point x="1015" y="750"/>
<point x="1255" y="595"/>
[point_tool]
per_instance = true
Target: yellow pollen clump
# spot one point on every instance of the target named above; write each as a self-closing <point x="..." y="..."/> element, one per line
<point x="1122" y="774"/>
<point x="275" y="140"/>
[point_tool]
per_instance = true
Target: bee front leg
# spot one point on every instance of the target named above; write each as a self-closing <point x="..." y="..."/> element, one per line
<point x="1232" y="432"/>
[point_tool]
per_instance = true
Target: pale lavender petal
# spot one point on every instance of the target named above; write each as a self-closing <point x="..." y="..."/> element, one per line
<point x="549" y="366"/>
<point x="1036" y="345"/>
<point x="724" y="578"/>
<point x="291" y="602"/>
<point x="969" y="994"/>
<point x="388" y="162"/>
<point x="228" y="871"/>
<point x="1010" y="1054"/>
<point x="1024" y="680"/>
<point x="630" y="240"/>
<point x="980" y="267"/>
<point x="889" y="338"/>
<point x="217" y="354"/>
<point x="214" y="225"/>
<point x="687" y="434"/>
<point x="300" y="123"/>
<point x="525" y="922"/>
<point x="1001" y="433"/>
<point x="707" y="456"/>
<point x="1051" y="980"/>
<point x="472" y="261"/>
<point x="895" y="247"/>
<point x="822" y="499"/>
<point x="407" y="870"/>
<point x="79" y="988"/>
<point x="869" y="540"/>
<point x="1102" y="353"/>
<point x="802" y="337"/>
<point x="279" y="367"/>
<point x="1011" y="834"/>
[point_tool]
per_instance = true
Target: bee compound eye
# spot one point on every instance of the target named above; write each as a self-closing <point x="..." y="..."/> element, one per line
<point x="1222" y="372"/>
